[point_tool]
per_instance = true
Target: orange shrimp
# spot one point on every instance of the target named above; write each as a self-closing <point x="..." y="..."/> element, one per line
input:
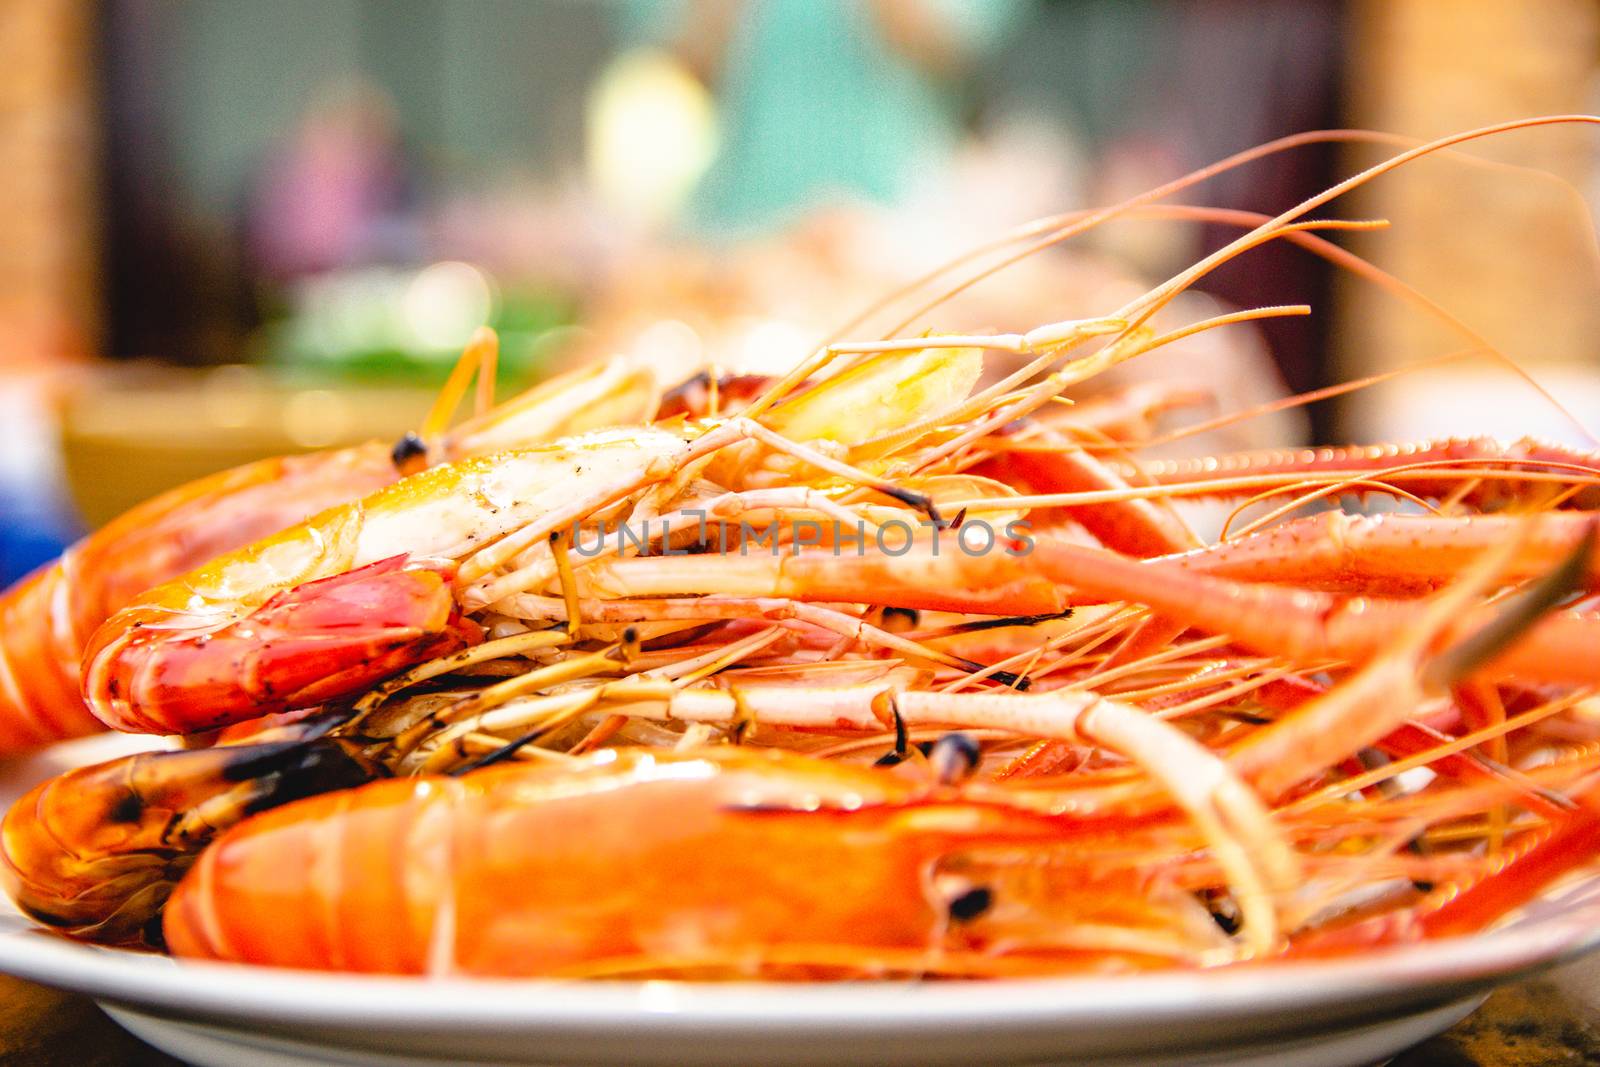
<point x="863" y="429"/>
<point x="708" y="863"/>
<point x="46" y="619"/>
<point x="327" y="608"/>
<point x="237" y="637"/>
<point x="55" y="858"/>
<point x="94" y="852"/>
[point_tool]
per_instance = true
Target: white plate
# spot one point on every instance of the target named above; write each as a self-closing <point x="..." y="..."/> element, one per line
<point x="1350" y="1011"/>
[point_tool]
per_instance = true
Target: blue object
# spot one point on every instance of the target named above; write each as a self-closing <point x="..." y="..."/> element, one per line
<point x="33" y="531"/>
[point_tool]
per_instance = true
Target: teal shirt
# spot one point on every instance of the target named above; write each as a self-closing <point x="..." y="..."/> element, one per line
<point x="814" y="107"/>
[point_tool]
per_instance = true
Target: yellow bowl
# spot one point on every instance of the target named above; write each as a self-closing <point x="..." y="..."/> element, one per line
<point x="132" y="432"/>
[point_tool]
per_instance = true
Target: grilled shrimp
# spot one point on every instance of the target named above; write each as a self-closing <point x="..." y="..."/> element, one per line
<point x="47" y="619"/>
<point x="94" y="852"/>
<point x="721" y="862"/>
<point x="327" y="608"/>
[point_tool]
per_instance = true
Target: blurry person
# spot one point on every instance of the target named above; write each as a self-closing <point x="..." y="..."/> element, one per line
<point x="336" y="192"/>
<point x="823" y="100"/>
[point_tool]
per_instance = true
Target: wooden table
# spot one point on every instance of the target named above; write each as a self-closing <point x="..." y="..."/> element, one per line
<point x="43" y="1028"/>
<point x="1533" y="1024"/>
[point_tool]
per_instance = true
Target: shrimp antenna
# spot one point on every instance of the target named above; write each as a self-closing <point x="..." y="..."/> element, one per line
<point x="1139" y="310"/>
<point x="1073" y="223"/>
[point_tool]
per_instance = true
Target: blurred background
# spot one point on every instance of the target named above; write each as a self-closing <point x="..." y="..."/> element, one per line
<point x="234" y="228"/>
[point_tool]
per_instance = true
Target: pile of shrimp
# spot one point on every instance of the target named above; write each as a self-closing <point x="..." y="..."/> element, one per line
<point x="897" y="665"/>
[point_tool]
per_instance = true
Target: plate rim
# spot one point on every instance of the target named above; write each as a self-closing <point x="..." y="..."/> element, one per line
<point x="1424" y="971"/>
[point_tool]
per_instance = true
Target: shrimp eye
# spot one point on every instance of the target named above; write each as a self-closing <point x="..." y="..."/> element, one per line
<point x="407" y="451"/>
<point x="898" y="620"/>
<point x="128" y="808"/>
<point x="1224" y="912"/>
<point x="971" y="904"/>
<point x="954" y="756"/>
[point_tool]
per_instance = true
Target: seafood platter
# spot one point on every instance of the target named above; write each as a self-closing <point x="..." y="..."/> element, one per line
<point x="893" y="707"/>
